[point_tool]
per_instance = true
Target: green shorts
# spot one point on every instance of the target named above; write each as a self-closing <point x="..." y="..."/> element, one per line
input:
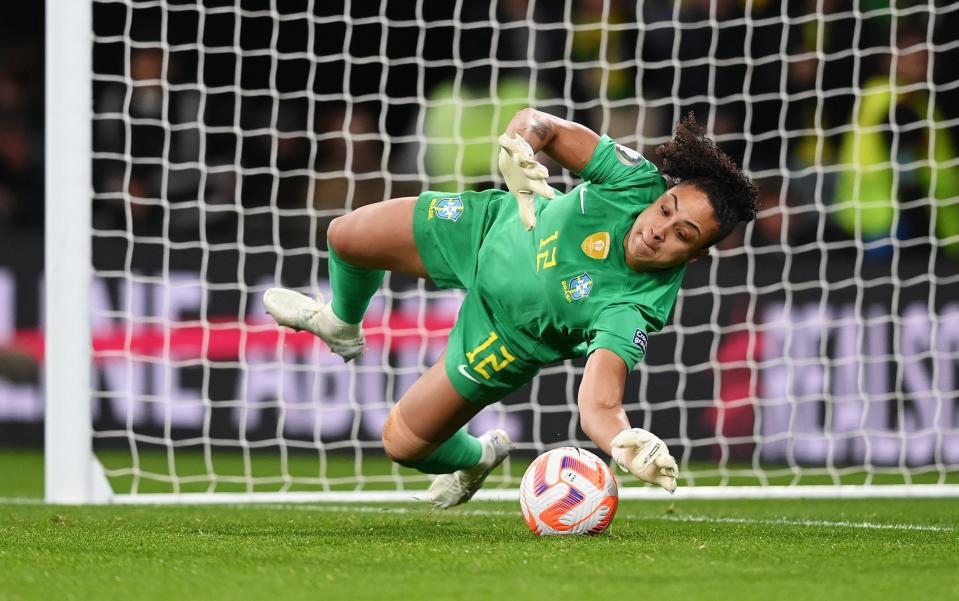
<point x="449" y="230"/>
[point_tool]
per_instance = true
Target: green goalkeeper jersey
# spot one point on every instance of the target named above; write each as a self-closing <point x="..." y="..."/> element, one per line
<point x="564" y="289"/>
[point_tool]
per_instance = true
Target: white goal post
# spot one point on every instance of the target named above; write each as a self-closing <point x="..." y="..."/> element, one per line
<point x="71" y="472"/>
<point x="197" y="149"/>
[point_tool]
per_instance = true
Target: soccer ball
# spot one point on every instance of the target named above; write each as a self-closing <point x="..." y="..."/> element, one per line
<point x="568" y="491"/>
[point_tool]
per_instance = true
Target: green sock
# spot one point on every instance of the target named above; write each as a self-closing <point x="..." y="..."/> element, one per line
<point x="353" y="287"/>
<point x="461" y="451"/>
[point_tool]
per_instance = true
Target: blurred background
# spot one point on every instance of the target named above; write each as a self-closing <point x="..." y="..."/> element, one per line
<point x="226" y="135"/>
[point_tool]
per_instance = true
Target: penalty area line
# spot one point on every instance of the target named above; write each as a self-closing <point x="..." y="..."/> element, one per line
<point x="699" y="519"/>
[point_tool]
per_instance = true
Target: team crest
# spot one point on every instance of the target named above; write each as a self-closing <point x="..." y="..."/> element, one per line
<point x="449" y="208"/>
<point x="577" y="288"/>
<point x="596" y="246"/>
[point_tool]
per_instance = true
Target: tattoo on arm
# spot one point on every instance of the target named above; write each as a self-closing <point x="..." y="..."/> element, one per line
<point x="539" y="128"/>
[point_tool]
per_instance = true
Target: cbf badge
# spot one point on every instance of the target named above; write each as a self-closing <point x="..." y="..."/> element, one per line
<point x="577" y="288"/>
<point x="447" y="209"/>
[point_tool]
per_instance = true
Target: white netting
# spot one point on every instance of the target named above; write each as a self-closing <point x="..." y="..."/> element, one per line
<point x="818" y="344"/>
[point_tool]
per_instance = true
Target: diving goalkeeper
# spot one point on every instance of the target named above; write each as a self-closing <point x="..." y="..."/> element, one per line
<point x="590" y="272"/>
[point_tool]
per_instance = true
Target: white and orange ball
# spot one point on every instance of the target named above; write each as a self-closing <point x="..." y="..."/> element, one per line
<point x="568" y="491"/>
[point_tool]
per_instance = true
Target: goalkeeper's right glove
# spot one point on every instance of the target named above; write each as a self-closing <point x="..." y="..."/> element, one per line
<point x="524" y="175"/>
<point x="645" y="455"/>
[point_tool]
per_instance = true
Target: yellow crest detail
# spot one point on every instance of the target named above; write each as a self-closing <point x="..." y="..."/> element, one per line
<point x="596" y="246"/>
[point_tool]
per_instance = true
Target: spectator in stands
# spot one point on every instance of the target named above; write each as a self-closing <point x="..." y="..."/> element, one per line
<point x="349" y="171"/>
<point x="21" y="174"/>
<point x="900" y="181"/>
<point x="21" y="148"/>
<point x="820" y="66"/>
<point x="782" y="219"/>
<point x="141" y="99"/>
<point x="602" y="52"/>
<point x="464" y="119"/>
<point x="466" y="113"/>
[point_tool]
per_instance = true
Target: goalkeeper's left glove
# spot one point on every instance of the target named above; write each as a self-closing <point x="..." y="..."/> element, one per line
<point x="524" y="175"/>
<point x="645" y="455"/>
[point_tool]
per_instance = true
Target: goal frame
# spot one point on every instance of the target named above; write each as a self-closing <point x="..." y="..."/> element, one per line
<point x="73" y="475"/>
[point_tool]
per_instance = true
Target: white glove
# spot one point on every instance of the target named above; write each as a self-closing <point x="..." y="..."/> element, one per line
<point x="524" y="175"/>
<point x="645" y="455"/>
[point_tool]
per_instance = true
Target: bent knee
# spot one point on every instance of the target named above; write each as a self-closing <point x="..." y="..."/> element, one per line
<point x="337" y="236"/>
<point x="395" y="453"/>
<point x="400" y="443"/>
<point x="345" y="237"/>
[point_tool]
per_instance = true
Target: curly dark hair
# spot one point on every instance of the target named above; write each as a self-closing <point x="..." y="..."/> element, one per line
<point x="692" y="158"/>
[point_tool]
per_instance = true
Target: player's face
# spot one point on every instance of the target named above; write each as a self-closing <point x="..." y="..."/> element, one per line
<point x="675" y="229"/>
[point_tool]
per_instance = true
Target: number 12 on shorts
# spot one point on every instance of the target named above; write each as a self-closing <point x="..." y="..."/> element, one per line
<point x="489" y="357"/>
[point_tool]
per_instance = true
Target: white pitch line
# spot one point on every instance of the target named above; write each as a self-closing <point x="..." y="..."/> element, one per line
<point x="701" y="519"/>
<point x="791" y="522"/>
<point x="21" y="501"/>
<point x="640" y="518"/>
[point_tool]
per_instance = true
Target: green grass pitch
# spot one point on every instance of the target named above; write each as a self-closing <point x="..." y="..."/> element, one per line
<point x="802" y="549"/>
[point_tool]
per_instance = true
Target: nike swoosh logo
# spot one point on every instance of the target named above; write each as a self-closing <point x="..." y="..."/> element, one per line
<point x="467" y="375"/>
<point x="582" y="199"/>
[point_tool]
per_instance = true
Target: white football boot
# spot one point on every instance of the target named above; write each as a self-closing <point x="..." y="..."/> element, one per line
<point x="459" y="487"/>
<point x="300" y="312"/>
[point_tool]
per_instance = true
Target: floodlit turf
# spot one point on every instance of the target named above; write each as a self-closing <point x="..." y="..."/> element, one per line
<point x="481" y="552"/>
<point x="875" y="549"/>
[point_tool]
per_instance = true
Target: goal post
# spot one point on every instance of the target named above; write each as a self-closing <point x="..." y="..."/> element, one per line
<point x="196" y="152"/>
<point x="71" y="472"/>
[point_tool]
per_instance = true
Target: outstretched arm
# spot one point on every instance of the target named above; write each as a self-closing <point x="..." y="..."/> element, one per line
<point x="569" y="144"/>
<point x="601" y="411"/>
<point x="604" y="420"/>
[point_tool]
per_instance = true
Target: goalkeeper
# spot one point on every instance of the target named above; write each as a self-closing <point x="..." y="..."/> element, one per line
<point x="591" y="272"/>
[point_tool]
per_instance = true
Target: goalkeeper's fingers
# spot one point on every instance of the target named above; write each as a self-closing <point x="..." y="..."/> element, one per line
<point x="667" y="465"/>
<point x="534" y="176"/>
<point x="527" y="210"/>
<point x="517" y="148"/>
<point x="540" y="187"/>
<point x="535" y="171"/>
<point x="667" y="482"/>
<point x="666" y="472"/>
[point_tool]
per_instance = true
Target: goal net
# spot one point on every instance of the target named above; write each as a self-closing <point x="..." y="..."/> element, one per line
<point x="817" y="346"/>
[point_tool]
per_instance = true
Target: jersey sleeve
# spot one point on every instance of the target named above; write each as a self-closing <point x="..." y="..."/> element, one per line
<point x="615" y="165"/>
<point x="622" y="329"/>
